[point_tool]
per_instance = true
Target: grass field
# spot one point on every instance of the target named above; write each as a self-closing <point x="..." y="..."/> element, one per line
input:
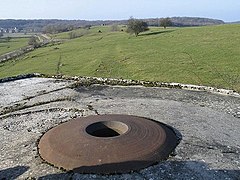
<point x="199" y="55"/>
<point x="18" y="35"/>
<point x="13" y="44"/>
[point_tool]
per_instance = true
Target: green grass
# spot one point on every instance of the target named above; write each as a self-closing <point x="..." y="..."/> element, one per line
<point x="18" y="35"/>
<point x="13" y="44"/>
<point x="200" y="55"/>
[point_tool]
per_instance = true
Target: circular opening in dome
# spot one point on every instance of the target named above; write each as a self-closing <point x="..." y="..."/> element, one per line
<point x="107" y="129"/>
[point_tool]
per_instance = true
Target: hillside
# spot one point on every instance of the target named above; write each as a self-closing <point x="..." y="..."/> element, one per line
<point x="186" y="21"/>
<point x="13" y="44"/>
<point x="38" y="25"/>
<point x="236" y="22"/>
<point x="195" y="21"/>
<point x="197" y="55"/>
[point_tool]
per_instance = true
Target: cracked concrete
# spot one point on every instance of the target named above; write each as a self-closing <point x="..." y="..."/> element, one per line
<point x="209" y="124"/>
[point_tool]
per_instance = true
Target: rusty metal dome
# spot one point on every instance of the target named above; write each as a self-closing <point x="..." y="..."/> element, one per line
<point x="107" y="144"/>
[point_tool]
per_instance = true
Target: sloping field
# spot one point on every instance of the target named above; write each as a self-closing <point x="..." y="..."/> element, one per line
<point x="14" y="44"/>
<point x="200" y="55"/>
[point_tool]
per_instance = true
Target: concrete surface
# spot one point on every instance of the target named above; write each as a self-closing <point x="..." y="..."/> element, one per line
<point x="209" y="124"/>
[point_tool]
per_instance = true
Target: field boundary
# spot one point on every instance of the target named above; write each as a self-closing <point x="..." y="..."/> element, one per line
<point x="87" y="81"/>
<point x="14" y="54"/>
<point x="44" y="39"/>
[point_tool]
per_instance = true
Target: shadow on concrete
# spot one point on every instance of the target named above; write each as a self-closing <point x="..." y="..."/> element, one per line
<point x="12" y="173"/>
<point x="163" y="170"/>
<point x="123" y="167"/>
<point x="156" y="33"/>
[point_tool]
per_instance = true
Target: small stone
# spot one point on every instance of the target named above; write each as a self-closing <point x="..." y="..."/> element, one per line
<point x="94" y="176"/>
<point x="178" y="157"/>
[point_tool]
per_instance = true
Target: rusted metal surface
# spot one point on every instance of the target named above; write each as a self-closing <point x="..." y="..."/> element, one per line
<point x="107" y="144"/>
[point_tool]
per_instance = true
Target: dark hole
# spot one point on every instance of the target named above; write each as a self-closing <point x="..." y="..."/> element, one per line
<point x="107" y="129"/>
<point x="106" y="132"/>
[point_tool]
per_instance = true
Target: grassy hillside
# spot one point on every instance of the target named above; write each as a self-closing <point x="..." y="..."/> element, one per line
<point x="200" y="55"/>
<point x="13" y="44"/>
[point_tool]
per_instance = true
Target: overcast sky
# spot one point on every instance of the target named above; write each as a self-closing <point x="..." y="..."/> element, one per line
<point x="227" y="10"/>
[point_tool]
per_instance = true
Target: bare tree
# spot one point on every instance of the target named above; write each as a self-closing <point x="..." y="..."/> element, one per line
<point x="136" y="26"/>
<point x="33" y="41"/>
<point x="165" y="22"/>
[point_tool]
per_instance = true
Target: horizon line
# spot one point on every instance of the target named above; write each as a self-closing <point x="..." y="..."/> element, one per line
<point x="122" y="19"/>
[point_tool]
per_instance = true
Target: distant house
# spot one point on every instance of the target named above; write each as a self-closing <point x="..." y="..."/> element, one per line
<point x="11" y="30"/>
<point x="1" y="32"/>
<point x="15" y="30"/>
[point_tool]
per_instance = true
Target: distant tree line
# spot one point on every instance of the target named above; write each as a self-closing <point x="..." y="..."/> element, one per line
<point x="194" y="21"/>
<point x="64" y="25"/>
<point x="41" y="24"/>
<point x="184" y="21"/>
<point x="58" y="28"/>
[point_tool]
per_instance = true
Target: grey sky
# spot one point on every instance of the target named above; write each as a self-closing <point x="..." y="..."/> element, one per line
<point x="227" y="10"/>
